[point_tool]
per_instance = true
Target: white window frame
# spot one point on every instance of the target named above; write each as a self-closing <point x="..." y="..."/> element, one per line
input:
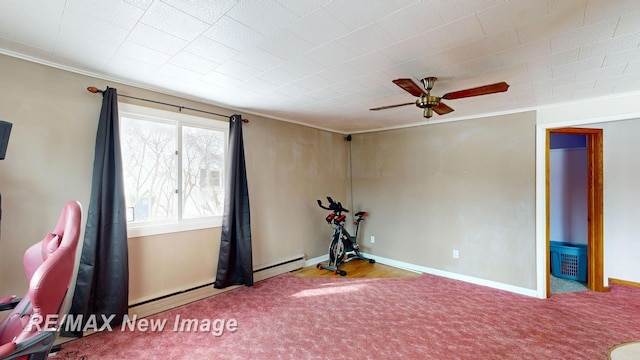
<point x="178" y="119"/>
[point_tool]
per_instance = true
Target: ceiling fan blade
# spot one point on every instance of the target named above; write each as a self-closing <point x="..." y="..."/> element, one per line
<point x="409" y="86"/>
<point x="442" y="109"/>
<point x="477" y="91"/>
<point x="391" y="106"/>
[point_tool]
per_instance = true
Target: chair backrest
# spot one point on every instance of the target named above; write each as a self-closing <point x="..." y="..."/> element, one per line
<point x="49" y="266"/>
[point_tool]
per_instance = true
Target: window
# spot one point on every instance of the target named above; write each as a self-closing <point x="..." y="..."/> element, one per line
<point x="173" y="167"/>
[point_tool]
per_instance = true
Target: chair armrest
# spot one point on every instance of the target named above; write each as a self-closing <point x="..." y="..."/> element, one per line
<point x="7" y="349"/>
<point x="37" y="346"/>
<point x="8" y="302"/>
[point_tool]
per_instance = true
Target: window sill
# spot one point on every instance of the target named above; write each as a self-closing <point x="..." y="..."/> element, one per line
<point x="134" y="231"/>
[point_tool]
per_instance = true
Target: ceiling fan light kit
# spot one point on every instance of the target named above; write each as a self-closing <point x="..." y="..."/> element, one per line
<point x="431" y="104"/>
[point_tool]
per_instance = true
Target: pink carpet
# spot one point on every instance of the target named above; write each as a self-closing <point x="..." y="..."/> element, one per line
<point x="288" y="317"/>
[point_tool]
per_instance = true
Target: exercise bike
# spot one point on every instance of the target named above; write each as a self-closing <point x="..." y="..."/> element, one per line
<point x="344" y="247"/>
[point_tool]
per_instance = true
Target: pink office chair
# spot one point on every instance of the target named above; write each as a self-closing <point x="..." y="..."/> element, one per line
<point x="30" y="329"/>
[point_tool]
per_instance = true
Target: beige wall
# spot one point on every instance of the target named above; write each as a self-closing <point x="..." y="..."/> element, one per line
<point x="621" y="146"/>
<point x="465" y="185"/>
<point x="50" y="161"/>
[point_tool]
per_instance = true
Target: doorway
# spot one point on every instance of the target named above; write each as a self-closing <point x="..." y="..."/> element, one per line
<point x="594" y="206"/>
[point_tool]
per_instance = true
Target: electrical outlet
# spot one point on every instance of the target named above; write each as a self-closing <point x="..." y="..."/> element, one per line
<point x="373" y="239"/>
<point x="456" y="254"/>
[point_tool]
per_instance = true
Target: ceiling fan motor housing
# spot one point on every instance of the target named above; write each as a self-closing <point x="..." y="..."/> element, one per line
<point x="427" y="101"/>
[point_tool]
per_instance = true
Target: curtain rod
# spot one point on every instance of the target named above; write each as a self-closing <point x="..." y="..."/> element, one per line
<point x="95" y="90"/>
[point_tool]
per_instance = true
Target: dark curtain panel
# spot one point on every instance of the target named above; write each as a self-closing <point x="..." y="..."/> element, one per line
<point x="102" y="286"/>
<point x="235" y="264"/>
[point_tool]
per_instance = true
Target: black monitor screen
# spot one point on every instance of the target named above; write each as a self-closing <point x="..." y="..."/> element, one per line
<point x="5" y="130"/>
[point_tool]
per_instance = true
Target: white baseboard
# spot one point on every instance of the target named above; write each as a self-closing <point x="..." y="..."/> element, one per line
<point x="171" y="301"/>
<point x="316" y="260"/>
<point x="286" y="267"/>
<point x="450" y="275"/>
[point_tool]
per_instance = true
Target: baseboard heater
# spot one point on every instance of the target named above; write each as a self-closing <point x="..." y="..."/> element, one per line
<point x="172" y="300"/>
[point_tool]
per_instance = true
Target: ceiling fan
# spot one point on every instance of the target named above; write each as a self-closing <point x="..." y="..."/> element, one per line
<point x="432" y="103"/>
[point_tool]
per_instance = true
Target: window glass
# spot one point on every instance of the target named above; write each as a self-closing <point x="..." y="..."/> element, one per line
<point x="173" y="168"/>
<point x="202" y="165"/>
<point x="149" y="164"/>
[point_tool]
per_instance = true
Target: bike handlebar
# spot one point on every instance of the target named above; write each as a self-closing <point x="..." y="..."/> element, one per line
<point x="333" y="205"/>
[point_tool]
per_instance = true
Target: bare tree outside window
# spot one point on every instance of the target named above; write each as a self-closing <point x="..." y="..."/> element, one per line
<point x="202" y="161"/>
<point x="151" y="160"/>
<point x="149" y="163"/>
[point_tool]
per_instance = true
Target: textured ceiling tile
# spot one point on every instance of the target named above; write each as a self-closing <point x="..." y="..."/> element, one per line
<point x="511" y="13"/>
<point x="409" y="49"/>
<point x="302" y="8"/>
<point x="278" y="76"/>
<point x="599" y="10"/>
<point x="193" y="62"/>
<point x="366" y="39"/>
<point x="622" y="57"/>
<point x="301" y="66"/>
<point x="31" y="23"/>
<point x="553" y="60"/>
<point x="173" y="21"/>
<point x="155" y="39"/>
<point x="312" y="82"/>
<point x="410" y="21"/>
<point x="478" y="65"/>
<point x="629" y="23"/>
<point x="523" y="53"/>
<point x="627" y="86"/>
<point x="237" y="70"/>
<point x="257" y="85"/>
<point x="598" y="90"/>
<point x="494" y="43"/>
<point x="142" y="4"/>
<point x="583" y="36"/>
<point x="142" y="53"/>
<point x="358" y="13"/>
<point x="614" y="45"/>
<point x="339" y="73"/>
<point x="234" y="34"/>
<point x="206" y="10"/>
<point x="418" y="68"/>
<point x="346" y="87"/>
<point x="89" y="54"/>
<point x="600" y="73"/>
<point x="328" y="27"/>
<point x="632" y="67"/>
<point x="455" y="33"/>
<point x="370" y="62"/>
<point x="132" y="68"/>
<point x="169" y="70"/>
<point x="570" y="88"/>
<point x="285" y="45"/>
<point x="219" y="79"/>
<point x="578" y="66"/>
<point x="564" y="16"/>
<point x="313" y="60"/>
<point x="331" y="54"/>
<point x="290" y="89"/>
<point x="452" y="10"/>
<point x="120" y="14"/>
<point x="212" y="50"/>
<point x="77" y="25"/>
<point x="259" y="59"/>
<point x="265" y="16"/>
<point x="322" y="93"/>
